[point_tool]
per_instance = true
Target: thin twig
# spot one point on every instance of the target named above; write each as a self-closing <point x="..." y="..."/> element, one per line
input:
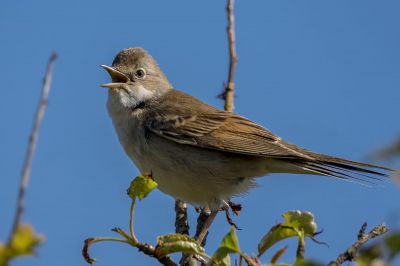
<point x="228" y="94"/>
<point x="301" y="249"/>
<point x="206" y="226"/>
<point x="152" y="252"/>
<point x="26" y="169"/>
<point x="201" y="220"/>
<point x="131" y="216"/>
<point x="145" y="248"/>
<point x="351" y="253"/>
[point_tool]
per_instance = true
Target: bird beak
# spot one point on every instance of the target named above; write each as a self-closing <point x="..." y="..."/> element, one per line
<point x="117" y="77"/>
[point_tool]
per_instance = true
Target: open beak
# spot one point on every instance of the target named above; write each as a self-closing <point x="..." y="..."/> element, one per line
<point x="118" y="78"/>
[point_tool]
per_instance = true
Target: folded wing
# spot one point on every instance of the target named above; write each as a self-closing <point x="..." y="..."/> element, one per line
<point x="186" y="120"/>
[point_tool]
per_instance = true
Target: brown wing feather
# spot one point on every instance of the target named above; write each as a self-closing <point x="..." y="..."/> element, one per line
<point x="184" y="119"/>
<point x="209" y="127"/>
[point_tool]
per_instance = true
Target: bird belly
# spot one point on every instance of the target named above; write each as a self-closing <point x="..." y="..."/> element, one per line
<point x="202" y="177"/>
<point x="199" y="176"/>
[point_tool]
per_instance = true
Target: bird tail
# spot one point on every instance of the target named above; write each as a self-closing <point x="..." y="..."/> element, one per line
<point x="358" y="172"/>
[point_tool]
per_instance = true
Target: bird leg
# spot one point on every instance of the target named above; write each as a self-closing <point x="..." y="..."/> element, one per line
<point x="236" y="208"/>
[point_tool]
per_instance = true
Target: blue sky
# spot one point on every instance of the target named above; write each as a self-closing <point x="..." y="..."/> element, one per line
<point x="321" y="74"/>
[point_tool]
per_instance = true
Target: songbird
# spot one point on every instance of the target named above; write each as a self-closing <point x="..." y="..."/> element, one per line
<point x="196" y="152"/>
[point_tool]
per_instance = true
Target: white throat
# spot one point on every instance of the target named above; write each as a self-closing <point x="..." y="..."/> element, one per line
<point x="141" y="94"/>
<point x="120" y="100"/>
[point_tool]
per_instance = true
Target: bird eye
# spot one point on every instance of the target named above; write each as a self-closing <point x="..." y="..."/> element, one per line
<point x="140" y="73"/>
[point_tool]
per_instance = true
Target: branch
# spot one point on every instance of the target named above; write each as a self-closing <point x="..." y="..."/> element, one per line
<point x="351" y="253"/>
<point x="201" y="220"/>
<point x="26" y="170"/>
<point x="201" y="237"/>
<point x="142" y="247"/>
<point x="151" y="251"/>
<point x="182" y="227"/>
<point x="228" y="94"/>
<point x="181" y="220"/>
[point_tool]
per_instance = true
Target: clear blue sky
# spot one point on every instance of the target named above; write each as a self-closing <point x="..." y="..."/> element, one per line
<point x="321" y="74"/>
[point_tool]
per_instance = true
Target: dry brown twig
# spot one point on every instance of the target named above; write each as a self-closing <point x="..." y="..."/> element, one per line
<point x="145" y="248"/>
<point x="181" y="220"/>
<point x="351" y="253"/>
<point x="228" y="94"/>
<point x="26" y="169"/>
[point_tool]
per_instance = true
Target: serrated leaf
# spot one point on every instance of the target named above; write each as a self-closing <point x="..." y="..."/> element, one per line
<point x="229" y="244"/>
<point x="296" y="223"/>
<point x="141" y="186"/>
<point x="173" y="243"/>
<point x="23" y="243"/>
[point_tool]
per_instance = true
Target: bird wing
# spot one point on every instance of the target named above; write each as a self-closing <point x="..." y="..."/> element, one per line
<point x="182" y="118"/>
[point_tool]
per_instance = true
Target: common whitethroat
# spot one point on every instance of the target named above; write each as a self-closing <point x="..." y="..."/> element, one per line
<point x="196" y="152"/>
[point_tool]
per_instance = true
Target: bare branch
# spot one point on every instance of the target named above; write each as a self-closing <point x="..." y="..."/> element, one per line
<point x="26" y="169"/>
<point x="182" y="227"/>
<point x="351" y="253"/>
<point x="181" y="220"/>
<point x="152" y="252"/>
<point x="206" y="226"/>
<point x="228" y="94"/>
<point x="201" y="220"/>
<point x="145" y="248"/>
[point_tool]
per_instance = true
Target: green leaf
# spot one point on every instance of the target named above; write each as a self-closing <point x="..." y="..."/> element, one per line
<point x="173" y="238"/>
<point x="296" y="223"/>
<point x="3" y="255"/>
<point x="229" y="244"/>
<point x="301" y="221"/>
<point x="173" y="243"/>
<point x="392" y="242"/>
<point x="278" y="254"/>
<point x="225" y="261"/>
<point x="307" y="263"/>
<point x="23" y="243"/>
<point x="369" y="254"/>
<point x="141" y="186"/>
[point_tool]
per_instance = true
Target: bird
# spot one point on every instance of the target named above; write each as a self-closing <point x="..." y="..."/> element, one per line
<point x="198" y="153"/>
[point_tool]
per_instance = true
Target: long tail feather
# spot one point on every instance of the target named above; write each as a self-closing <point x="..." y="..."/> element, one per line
<point x="358" y="172"/>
